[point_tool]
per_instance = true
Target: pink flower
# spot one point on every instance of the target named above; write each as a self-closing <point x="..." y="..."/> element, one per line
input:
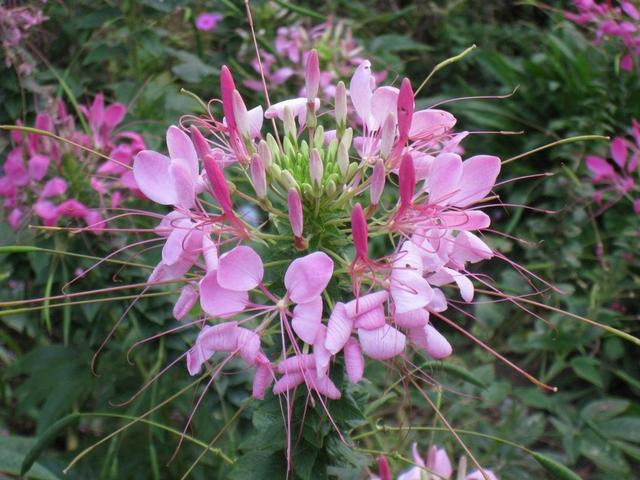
<point x="208" y="21"/>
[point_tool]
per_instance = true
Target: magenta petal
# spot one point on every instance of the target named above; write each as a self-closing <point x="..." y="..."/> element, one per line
<point x="479" y="175"/>
<point x="372" y="319"/>
<point x="366" y="303"/>
<point x="306" y="319"/>
<point x="151" y="172"/>
<point x="287" y="382"/>
<point x="383" y="343"/>
<point x="353" y="360"/>
<point x="187" y="299"/>
<point x="240" y="269"/>
<point x="218" y="301"/>
<point x="38" y="165"/>
<point x="261" y="380"/>
<point x="182" y="151"/>
<point x="338" y="329"/>
<point x="249" y="345"/>
<point x="619" y="151"/>
<point x="308" y="276"/>
<point x="297" y="363"/>
<point x="114" y="114"/>
<point x="600" y="167"/>
<point x="54" y="187"/>
<point x="412" y="319"/>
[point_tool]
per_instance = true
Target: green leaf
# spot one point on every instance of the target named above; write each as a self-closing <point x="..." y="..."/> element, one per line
<point x="45" y="439"/>
<point x="12" y="453"/>
<point x="587" y="369"/>
<point x="601" y="410"/>
<point x="555" y="468"/>
<point x="623" y="428"/>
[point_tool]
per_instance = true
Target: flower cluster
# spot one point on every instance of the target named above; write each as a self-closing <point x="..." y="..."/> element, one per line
<point x="338" y="53"/>
<point x="615" y="177"/>
<point x="622" y="22"/>
<point x="320" y="196"/>
<point x="40" y="174"/>
<point x="15" y="26"/>
<point x="436" y="466"/>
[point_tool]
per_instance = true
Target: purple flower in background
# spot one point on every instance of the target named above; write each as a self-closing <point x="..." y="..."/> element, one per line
<point x="208" y="21"/>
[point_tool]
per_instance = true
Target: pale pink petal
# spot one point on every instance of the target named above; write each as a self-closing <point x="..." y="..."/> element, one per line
<point x="220" y="338"/>
<point x="249" y="345"/>
<point x="365" y="303"/>
<point x="371" y="319"/>
<point x="151" y="172"/>
<point x="383" y="343"/>
<point x="261" y="380"/>
<point x="256" y="116"/>
<point x="187" y="299"/>
<point x="308" y="276"/>
<point x="182" y="151"/>
<point x="321" y="355"/>
<point x="429" y="339"/>
<point x="469" y="248"/>
<point x="306" y="319"/>
<point x="384" y="101"/>
<point x="444" y="178"/>
<point x="353" y="360"/>
<point x="479" y="175"/>
<point x="438" y="462"/>
<point x="430" y="123"/>
<point x="438" y="303"/>
<point x="183" y="184"/>
<point x="209" y="252"/>
<point x="178" y="244"/>
<point x="477" y="475"/>
<point x="218" y="301"/>
<point x="297" y="363"/>
<point x="417" y="458"/>
<point x="409" y="291"/>
<point x="324" y="386"/>
<point x="412" y="319"/>
<point x="465" y="220"/>
<point x="287" y="382"/>
<point x="360" y="90"/>
<point x="165" y="273"/>
<point x="338" y="329"/>
<point x="240" y="269"/>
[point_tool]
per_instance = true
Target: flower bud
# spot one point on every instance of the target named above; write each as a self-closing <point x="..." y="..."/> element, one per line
<point x="199" y="142"/>
<point x="219" y="185"/>
<point x="241" y="115"/>
<point x="347" y="138"/>
<point x="312" y="76"/>
<point x="377" y="182"/>
<point x="341" y="104"/>
<point x="265" y="153"/>
<point x="407" y="181"/>
<point x="343" y="159"/>
<point x="360" y="231"/>
<point x="295" y="212"/>
<point x="388" y="136"/>
<point x="405" y="108"/>
<point x="287" y="180"/>
<point x="226" y="92"/>
<point x="289" y="123"/>
<point x="258" y="176"/>
<point x="316" y="168"/>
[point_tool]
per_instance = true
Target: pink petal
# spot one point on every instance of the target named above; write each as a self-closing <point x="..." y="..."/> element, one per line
<point x="261" y="380"/>
<point x="619" y="151"/>
<point x="444" y="178"/>
<point x="182" y="151"/>
<point x="240" y="269"/>
<point x="183" y="184"/>
<point x="324" y="386"/>
<point x="365" y="303"/>
<point x="384" y="101"/>
<point x="151" y="172"/>
<point x="218" y="301"/>
<point x="360" y="90"/>
<point x="353" y="360"/>
<point x="600" y="167"/>
<point x="469" y="248"/>
<point x="114" y="114"/>
<point x="321" y="355"/>
<point x="165" y="273"/>
<point x="429" y="339"/>
<point x="14" y="218"/>
<point x="412" y="319"/>
<point x="255" y="121"/>
<point x="297" y="363"/>
<point x="447" y="275"/>
<point x="417" y="458"/>
<point x="383" y="343"/>
<point x="478" y="475"/>
<point x="338" y="329"/>
<point x="409" y="291"/>
<point x="307" y="318"/>
<point x="220" y="338"/>
<point x="479" y="175"/>
<point x="54" y="187"/>
<point x="72" y="208"/>
<point x="182" y="243"/>
<point x="187" y="299"/>
<point x="430" y="123"/>
<point x="287" y="382"/>
<point x="438" y="462"/>
<point x="249" y="345"/>
<point x="209" y="252"/>
<point x="38" y="166"/>
<point x="308" y="276"/>
<point x="465" y="220"/>
<point x="372" y="319"/>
